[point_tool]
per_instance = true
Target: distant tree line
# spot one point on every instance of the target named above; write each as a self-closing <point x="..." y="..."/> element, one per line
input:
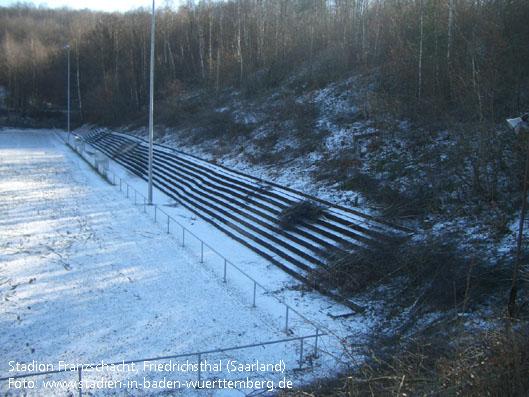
<point x="468" y="55"/>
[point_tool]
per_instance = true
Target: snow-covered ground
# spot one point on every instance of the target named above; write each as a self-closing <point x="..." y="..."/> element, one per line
<point x="86" y="276"/>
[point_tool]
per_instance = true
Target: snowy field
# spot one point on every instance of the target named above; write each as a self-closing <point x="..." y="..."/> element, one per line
<point x="87" y="277"/>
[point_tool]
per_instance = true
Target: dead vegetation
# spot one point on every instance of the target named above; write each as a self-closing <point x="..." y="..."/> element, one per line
<point x="302" y="211"/>
<point x="463" y="363"/>
<point x="429" y="274"/>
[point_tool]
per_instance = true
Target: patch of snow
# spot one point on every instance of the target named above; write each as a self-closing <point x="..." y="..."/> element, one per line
<point x="87" y="276"/>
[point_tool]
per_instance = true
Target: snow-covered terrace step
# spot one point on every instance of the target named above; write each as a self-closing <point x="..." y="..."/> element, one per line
<point x="263" y="211"/>
<point x="261" y="241"/>
<point x="280" y="196"/>
<point x="335" y="230"/>
<point x="220" y="195"/>
<point x="224" y="209"/>
<point x="272" y="209"/>
<point x="294" y="252"/>
<point x="337" y="226"/>
<point x="316" y="239"/>
<point x="346" y="215"/>
<point x="291" y="253"/>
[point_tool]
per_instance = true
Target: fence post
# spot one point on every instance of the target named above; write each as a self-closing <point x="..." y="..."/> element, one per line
<point x="127" y="190"/>
<point x="80" y="385"/>
<point x="286" y="321"/>
<point x="135" y="196"/>
<point x="168" y="224"/>
<point x="201" y="251"/>
<point x="316" y="344"/>
<point x="301" y="354"/>
<point x="183" y="235"/>
<point x="199" y="371"/>
<point x="225" y="261"/>
<point x="144" y="204"/>
<point x="120" y="184"/>
<point x="254" y="289"/>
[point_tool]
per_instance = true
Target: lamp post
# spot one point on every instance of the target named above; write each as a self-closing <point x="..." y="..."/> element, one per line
<point x="151" y="110"/>
<point x="67" y="48"/>
<point x="519" y="124"/>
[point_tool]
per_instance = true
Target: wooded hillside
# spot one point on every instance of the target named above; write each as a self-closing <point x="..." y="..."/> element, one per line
<point x="466" y="57"/>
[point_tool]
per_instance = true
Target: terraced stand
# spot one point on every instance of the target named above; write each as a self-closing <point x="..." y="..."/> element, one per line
<point x="246" y="208"/>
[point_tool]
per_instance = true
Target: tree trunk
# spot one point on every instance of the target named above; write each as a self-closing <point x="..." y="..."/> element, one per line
<point x="201" y="49"/>
<point x="78" y="82"/>
<point x="420" y="54"/>
<point x="171" y="60"/>
<point x="449" y="46"/>
<point x="218" y="69"/>
<point x="364" y="42"/>
<point x="239" y="44"/>
<point x="311" y="48"/>
<point x="210" y="43"/>
<point x="377" y="29"/>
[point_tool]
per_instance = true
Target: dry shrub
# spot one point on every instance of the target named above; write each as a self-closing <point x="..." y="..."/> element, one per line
<point x="344" y="169"/>
<point x="297" y="213"/>
<point x="469" y="364"/>
<point x="475" y="364"/>
<point x="493" y="363"/>
<point x="433" y="272"/>
<point x="354" y="269"/>
<point x="339" y="167"/>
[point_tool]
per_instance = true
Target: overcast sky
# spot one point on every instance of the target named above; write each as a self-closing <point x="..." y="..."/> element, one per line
<point x="99" y="5"/>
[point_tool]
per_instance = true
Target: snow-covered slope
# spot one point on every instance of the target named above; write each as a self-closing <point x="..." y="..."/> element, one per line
<point x="87" y="276"/>
<point x="246" y="208"/>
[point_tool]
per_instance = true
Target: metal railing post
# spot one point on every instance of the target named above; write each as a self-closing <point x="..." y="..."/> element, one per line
<point x="80" y="385"/>
<point x="254" y="300"/>
<point x="254" y="290"/>
<point x="286" y="321"/>
<point x="316" y="343"/>
<point x="301" y="353"/>
<point x="199" y="370"/>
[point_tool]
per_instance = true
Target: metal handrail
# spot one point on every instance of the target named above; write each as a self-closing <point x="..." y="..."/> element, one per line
<point x="199" y="355"/>
<point x="256" y="283"/>
<point x="226" y="261"/>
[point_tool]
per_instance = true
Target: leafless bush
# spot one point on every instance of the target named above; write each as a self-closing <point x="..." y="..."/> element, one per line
<point x="433" y="272"/>
<point x="354" y="269"/>
<point x="302" y="211"/>
<point x="338" y="167"/>
<point x="471" y="364"/>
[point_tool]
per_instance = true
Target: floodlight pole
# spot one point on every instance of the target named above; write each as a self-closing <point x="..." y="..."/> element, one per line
<point x="151" y="110"/>
<point x="67" y="48"/>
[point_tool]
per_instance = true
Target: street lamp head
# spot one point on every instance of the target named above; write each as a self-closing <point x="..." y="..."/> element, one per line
<point x="66" y="47"/>
<point x="516" y="124"/>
